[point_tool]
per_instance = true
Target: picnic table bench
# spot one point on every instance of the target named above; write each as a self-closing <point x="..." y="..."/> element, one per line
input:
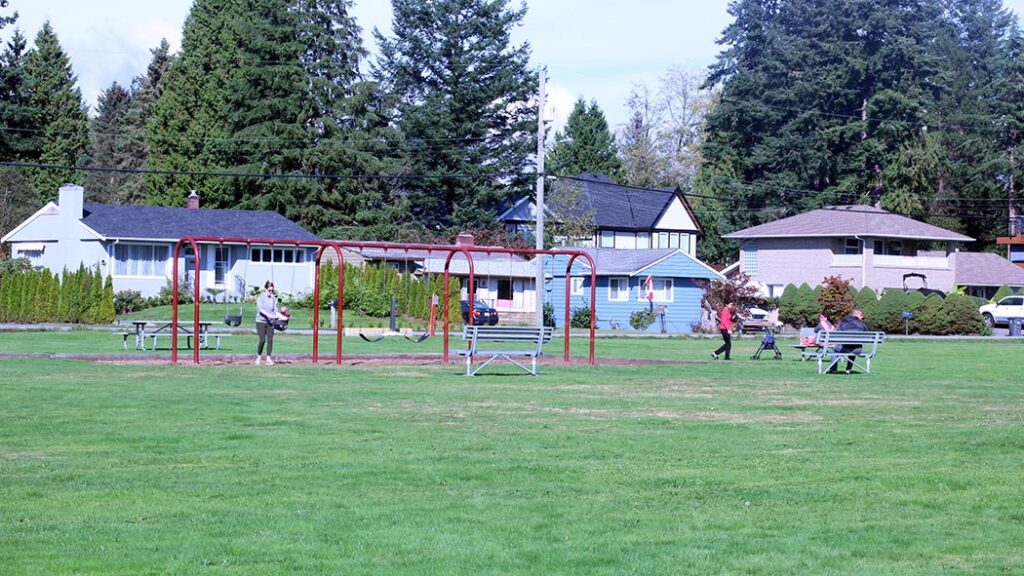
<point x="152" y="330"/>
<point x="856" y="346"/>
<point x="524" y="341"/>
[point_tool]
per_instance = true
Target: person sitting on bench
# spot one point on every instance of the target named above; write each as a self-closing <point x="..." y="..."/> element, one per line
<point x="852" y="323"/>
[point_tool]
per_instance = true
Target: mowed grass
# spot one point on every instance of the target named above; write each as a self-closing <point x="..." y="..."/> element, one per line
<point x="735" y="467"/>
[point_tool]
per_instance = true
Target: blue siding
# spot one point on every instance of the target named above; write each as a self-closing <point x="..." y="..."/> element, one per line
<point x="682" y="312"/>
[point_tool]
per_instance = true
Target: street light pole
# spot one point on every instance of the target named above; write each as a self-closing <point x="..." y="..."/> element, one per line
<point x="539" y="206"/>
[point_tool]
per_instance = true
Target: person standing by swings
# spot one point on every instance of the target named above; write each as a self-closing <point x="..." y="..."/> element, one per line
<point x="725" y="326"/>
<point x="266" y="311"/>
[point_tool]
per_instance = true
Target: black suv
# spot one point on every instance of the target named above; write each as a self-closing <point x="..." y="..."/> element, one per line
<point x="483" y="315"/>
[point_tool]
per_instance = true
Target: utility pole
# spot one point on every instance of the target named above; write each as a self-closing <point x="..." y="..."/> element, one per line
<point x="539" y="206"/>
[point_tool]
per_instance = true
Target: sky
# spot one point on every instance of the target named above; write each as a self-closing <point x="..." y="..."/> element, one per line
<point x="595" y="49"/>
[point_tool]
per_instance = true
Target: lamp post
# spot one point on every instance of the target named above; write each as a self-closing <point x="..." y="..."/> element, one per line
<point x="539" y="207"/>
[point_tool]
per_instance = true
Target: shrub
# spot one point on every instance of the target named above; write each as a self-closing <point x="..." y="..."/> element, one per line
<point x="788" y="306"/>
<point x="962" y="315"/>
<point x="580" y="317"/>
<point x="835" y="298"/>
<point x="641" y="319"/>
<point x="1003" y="292"/>
<point x="549" y="315"/>
<point x="866" y="300"/>
<point x="930" y="316"/>
<point x="890" y="312"/>
<point x="128" y="301"/>
<point x="806" y="308"/>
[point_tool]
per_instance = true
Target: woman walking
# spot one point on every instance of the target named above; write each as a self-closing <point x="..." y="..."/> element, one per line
<point x="725" y="327"/>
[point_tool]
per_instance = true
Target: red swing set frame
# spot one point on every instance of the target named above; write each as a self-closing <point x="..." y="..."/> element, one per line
<point x="338" y="245"/>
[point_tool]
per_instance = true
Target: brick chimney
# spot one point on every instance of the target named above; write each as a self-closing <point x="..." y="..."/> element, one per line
<point x="464" y="239"/>
<point x="193" y="201"/>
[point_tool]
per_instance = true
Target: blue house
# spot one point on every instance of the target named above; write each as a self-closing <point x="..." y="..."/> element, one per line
<point x="622" y="277"/>
<point x="135" y="244"/>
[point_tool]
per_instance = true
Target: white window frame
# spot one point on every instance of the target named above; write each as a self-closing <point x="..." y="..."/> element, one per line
<point x="853" y="247"/>
<point x="221" y="264"/>
<point x="663" y="288"/>
<point x="607" y="239"/>
<point x="621" y="290"/>
<point x="576" y="286"/>
<point x="662" y="239"/>
<point x="643" y="240"/>
<point x="132" y="260"/>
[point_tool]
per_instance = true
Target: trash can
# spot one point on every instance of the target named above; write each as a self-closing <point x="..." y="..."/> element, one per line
<point x="1014" y="326"/>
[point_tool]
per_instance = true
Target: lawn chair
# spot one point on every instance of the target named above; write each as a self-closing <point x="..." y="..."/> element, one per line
<point x="767" y="343"/>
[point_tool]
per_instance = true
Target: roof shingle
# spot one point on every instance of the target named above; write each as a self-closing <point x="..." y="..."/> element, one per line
<point x="165" y="223"/>
<point x="849" y="221"/>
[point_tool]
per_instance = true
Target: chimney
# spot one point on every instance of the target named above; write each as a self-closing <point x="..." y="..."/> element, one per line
<point x="70" y="199"/>
<point x="464" y="239"/>
<point x="193" y="201"/>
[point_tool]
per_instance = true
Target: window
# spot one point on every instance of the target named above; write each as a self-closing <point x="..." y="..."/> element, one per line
<point x="851" y="246"/>
<point x="618" y="289"/>
<point x="221" y="256"/>
<point x="607" y="239"/>
<point x="684" y="242"/>
<point x="504" y="289"/>
<point x="576" y="286"/>
<point x="673" y="240"/>
<point x="643" y="240"/>
<point x="748" y="251"/>
<point x="277" y="255"/>
<point x="662" y="288"/>
<point x="140" y="260"/>
<point x="890" y="248"/>
<point x="662" y="239"/>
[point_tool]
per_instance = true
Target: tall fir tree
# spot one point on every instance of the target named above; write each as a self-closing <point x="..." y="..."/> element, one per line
<point x="587" y="145"/>
<point x="56" y="102"/>
<point x="464" y="95"/>
<point x="145" y="90"/>
<point x="19" y="139"/>
<point x="190" y="130"/>
<point x="106" y="145"/>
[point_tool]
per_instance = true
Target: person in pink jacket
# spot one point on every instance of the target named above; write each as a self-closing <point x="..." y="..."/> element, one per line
<point x="725" y="326"/>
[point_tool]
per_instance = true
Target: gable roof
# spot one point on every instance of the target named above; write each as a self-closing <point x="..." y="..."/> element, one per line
<point x="846" y="221"/>
<point x="165" y="223"/>
<point x="611" y="205"/>
<point x="986" y="269"/>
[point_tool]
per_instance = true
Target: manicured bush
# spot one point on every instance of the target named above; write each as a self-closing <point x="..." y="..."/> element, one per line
<point x="890" y="312"/>
<point x="1003" y="292"/>
<point x="962" y="315"/>
<point x="128" y="301"/>
<point x="641" y="319"/>
<point x="930" y="317"/>
<point x="806" y="308"/>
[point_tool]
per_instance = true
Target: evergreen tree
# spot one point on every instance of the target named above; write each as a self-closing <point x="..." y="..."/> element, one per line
<point x="134" y="150"/>
<point x="57" y="106"/>
<point x="190" y="128"/>
<point x="5" y="20"/>
<point x="19" y="138"/>
<point x="106" y="145"/>
<point x="464" y="105"/>
<point x="586" y="145"/>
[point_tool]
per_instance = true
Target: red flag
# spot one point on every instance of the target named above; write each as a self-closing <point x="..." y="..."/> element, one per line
<point x="649" y="284"/>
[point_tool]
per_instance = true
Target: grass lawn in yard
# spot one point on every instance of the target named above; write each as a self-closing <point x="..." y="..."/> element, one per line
<point x="703" y="467"/>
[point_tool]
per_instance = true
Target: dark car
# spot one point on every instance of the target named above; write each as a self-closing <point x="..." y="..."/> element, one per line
<point x="483" y="315"/>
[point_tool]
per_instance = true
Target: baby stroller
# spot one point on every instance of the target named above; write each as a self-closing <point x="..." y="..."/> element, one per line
<point x="768" y="343"/>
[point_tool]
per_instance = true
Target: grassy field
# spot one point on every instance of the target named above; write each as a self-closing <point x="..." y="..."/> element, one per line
<point x="704" y="467"/>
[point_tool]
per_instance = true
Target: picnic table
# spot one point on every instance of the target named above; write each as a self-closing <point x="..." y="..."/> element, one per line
<point x="154" y="329"/>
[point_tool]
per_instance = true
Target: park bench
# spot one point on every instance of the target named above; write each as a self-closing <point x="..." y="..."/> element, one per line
<point x="517" y="341"/>
<point x="828" y="341"/>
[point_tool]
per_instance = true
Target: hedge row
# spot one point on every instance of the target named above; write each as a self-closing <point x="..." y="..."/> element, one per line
<point x="79" y="297"/>
<point x="954" y="314"/>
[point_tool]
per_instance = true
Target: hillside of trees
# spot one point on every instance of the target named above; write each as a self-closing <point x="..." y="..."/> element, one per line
<point x="917" y="105"/>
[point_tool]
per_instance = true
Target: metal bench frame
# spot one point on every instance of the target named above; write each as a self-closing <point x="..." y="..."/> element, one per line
<point x="535" y="337"/>
<point x="868" y="341"/>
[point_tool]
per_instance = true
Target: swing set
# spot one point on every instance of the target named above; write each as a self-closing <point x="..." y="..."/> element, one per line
<point x="337" y="246"/>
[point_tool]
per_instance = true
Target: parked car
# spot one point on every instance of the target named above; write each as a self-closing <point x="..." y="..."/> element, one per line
<point x="999" y="313"/>
<point x="757" y="320"/>
<point x="483" y="315"/>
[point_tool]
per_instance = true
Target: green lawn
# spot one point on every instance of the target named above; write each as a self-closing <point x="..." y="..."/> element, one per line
<point x="705" y="467"/>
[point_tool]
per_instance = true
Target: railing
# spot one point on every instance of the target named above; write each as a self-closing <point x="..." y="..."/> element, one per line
<point x="847" y="260"/>
<point x="930" y="262"/>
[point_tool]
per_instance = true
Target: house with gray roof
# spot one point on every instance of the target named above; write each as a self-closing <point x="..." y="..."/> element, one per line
<point x="665" y="280"/>
<point x="622" y="217"/>
<point x="134" y="245"/>
<point x="983" y="273"/>
<point x="864" y="244"/>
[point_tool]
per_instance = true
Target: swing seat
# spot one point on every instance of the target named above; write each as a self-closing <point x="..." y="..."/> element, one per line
<point x="233" y="319"/>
